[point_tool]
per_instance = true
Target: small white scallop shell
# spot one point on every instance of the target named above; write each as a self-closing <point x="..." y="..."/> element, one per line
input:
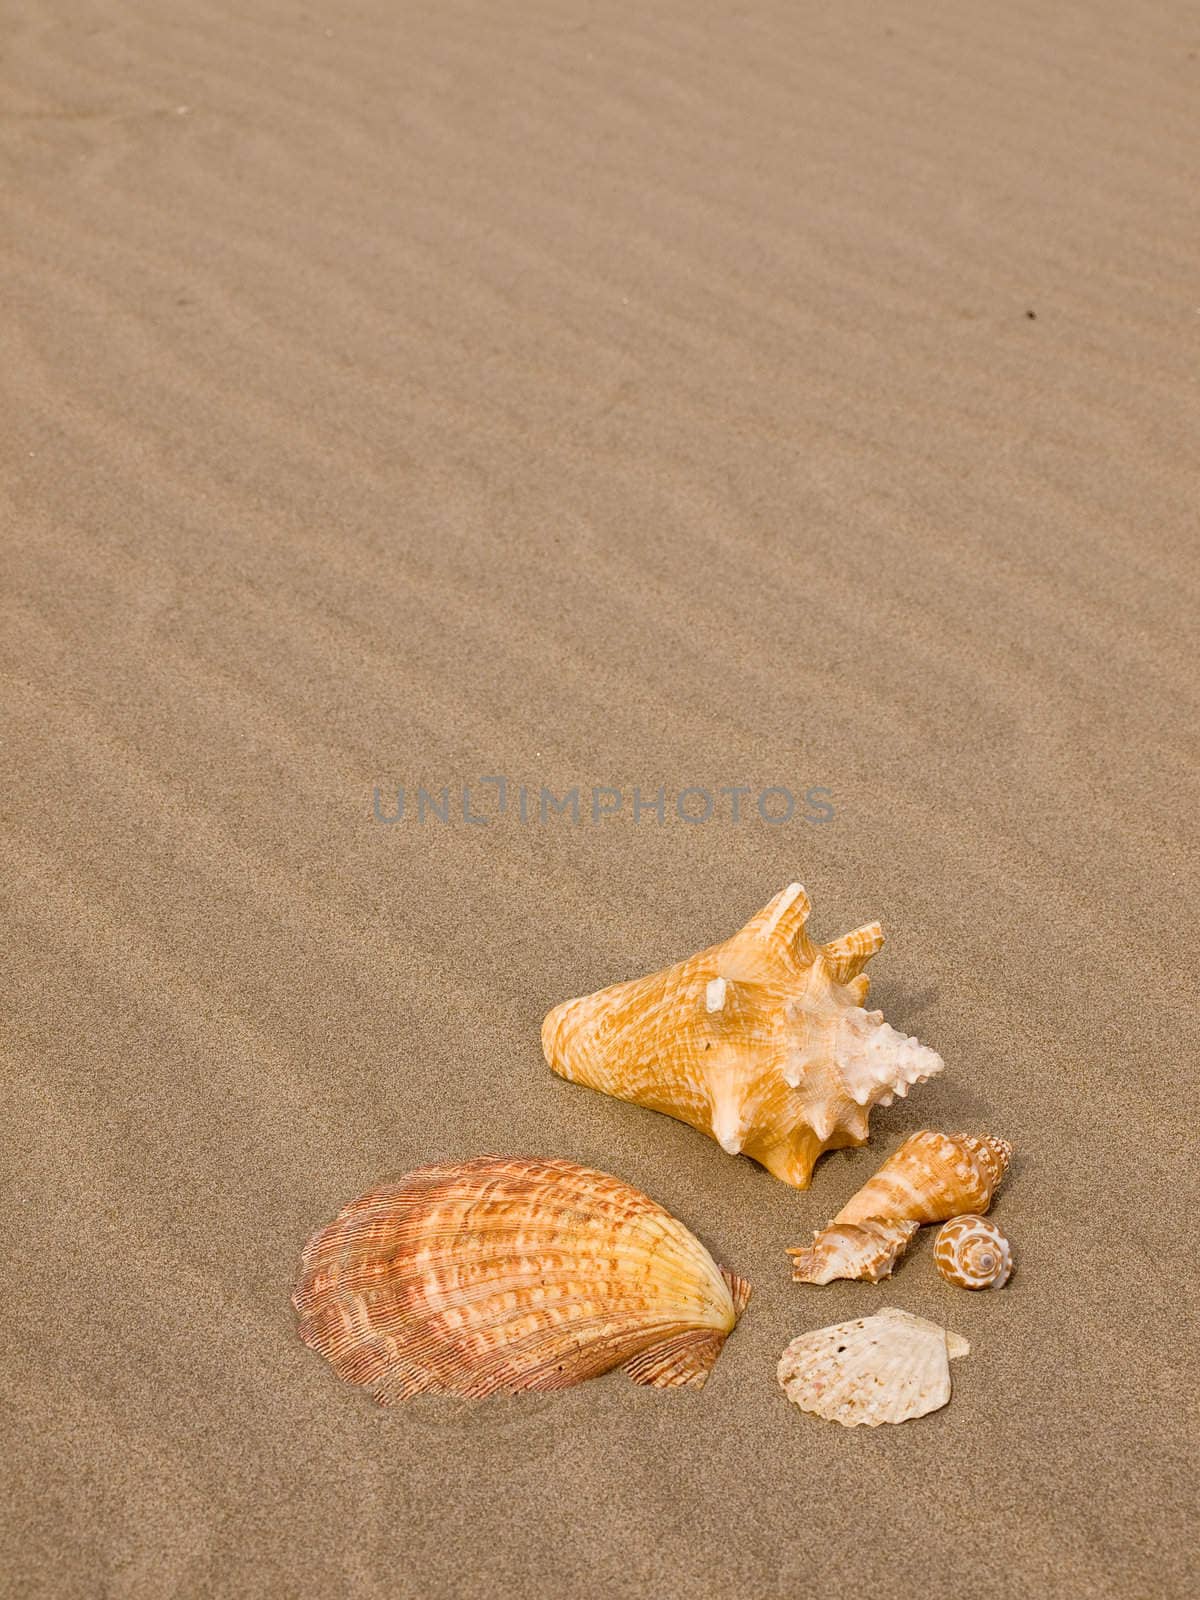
<point x="973" y="1253"/>
<point x="885" y="1368"/>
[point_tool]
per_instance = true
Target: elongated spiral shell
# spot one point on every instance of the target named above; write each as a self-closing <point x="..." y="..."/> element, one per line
<point x="502" y="1275"/>
<point x="931" y="1177"/>
<point x="761" y="1041"/>
<point x="867" y="1250"/>
<point x="973" y="1253"/>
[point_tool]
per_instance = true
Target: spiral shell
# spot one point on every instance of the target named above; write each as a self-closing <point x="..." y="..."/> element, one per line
<point x="931" y="1177"/>
<point x="867" y="1250"/>
<point x="761" y="1041"/>
<point x="973" y="1253"/>
<point x="503" y="1275"/>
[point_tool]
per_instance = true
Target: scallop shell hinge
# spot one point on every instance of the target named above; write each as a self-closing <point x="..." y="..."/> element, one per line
<point x="761" y="1041"/>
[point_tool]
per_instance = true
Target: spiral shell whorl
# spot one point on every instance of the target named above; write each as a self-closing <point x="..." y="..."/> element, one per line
<point x="994" y="1154"/>
<point x="972" y="1253"/>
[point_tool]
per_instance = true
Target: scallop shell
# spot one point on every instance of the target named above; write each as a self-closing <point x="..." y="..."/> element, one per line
<point x="931" y="1177"/>
<point x="973" y="1253"/>
<point x="885" y="1368"/>
<point x="503" y="1275"/>
<point x="761" y="1041"/>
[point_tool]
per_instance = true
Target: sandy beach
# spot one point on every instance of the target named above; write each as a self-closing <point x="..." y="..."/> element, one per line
<point x="686" y="397"/>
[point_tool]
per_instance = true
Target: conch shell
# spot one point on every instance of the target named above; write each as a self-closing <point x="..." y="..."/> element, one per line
<point x="502" y="1275"/>
<point x="931" y="1177"/>
<point x="973" y="1253"/>
<point x="761" y="1041"/>
<point x="886" y="1368"/>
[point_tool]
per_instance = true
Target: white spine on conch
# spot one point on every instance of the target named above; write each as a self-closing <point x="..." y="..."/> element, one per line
<point x="874" y="1056"/>
<point x="727" y="1130"/>
<point x="728" y="1117"/>
<point x="793" y="892"/>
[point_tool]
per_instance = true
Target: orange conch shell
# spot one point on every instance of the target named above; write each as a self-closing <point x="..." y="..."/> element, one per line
<point x="931" y="1177"/>
<point x="973" y="1253"/>
<point x="503" y="1275"/>
<point x="761" y="1041"/>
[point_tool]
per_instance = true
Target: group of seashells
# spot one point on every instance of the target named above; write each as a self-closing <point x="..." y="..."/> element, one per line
<point x="508" y="1274"/>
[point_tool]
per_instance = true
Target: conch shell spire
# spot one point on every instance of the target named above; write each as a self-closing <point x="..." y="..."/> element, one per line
<point x="761" y="1041"/>
<point x="847" y="956"/>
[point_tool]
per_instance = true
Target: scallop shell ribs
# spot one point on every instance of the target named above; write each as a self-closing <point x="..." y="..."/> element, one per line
<point x="886" y="1368"/>
<point x="931" y="1177"/>
<point x="761" y="1042"/>
<point x="503" y="1275"/>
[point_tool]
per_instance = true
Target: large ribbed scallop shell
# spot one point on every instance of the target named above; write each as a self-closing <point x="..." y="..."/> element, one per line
<point x="973" y="1253"/>
<point x="502" y="1275"/>
<point x="761" y="1041"/>
<point x="886" y="1368"/>
<point x="931" y="1177"/>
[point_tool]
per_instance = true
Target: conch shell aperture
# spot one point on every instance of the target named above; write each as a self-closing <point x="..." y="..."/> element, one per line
<point x="761" y="1041"/>
<point x="503" y="1275"/>
<point x="931" y="1177"/>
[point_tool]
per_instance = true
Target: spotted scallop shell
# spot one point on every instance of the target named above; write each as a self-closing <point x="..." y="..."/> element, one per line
<point x="502" y="1275"/>
<point x="886" y="1368"/>
<point x="761" y="1041"/>
<point x="973" y="1253"/>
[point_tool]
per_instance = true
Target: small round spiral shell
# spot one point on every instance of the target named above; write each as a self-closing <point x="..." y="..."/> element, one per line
<point x="973" y="1253"/>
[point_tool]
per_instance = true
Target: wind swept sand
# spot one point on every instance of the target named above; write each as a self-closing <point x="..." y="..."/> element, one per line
<point x="688" y="395"/>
